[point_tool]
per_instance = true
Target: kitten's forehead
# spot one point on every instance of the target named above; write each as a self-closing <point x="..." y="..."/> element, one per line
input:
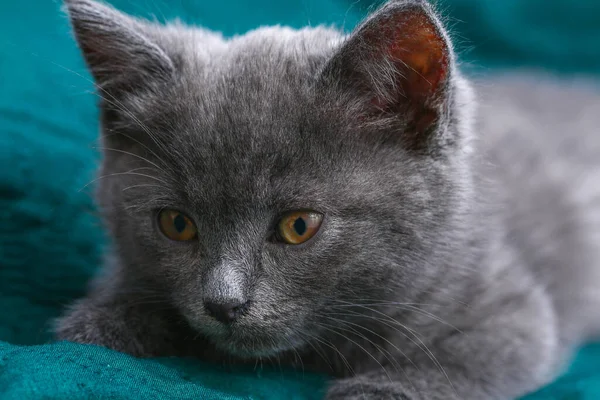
<point x="272" y="46"/>
<point x="266" y="61"/>
<point x="256" y="105"/>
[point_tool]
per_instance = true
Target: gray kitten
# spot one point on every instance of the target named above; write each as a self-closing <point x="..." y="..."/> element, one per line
<point x="333" y="200"/>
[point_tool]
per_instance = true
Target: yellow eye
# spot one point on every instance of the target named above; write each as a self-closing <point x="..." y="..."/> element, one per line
<point x="299" y="226"/>
<point x="176" y="225"/>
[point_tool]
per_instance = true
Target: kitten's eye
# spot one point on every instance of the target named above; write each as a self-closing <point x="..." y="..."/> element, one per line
<point x="176" y="225"/>
<point x="299" y="226"/>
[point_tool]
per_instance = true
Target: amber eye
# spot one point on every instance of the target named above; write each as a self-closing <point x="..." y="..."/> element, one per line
<point x="298" y="226"/>
<point x="176" y="225"/>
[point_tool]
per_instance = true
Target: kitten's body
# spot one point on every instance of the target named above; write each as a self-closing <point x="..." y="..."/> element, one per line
<point x="542" y="135"/>
<point x="455" y="261"/>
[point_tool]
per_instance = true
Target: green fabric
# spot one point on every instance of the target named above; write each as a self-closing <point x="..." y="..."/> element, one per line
<point x="50" y="238"/>
<point x="69" y="371"/>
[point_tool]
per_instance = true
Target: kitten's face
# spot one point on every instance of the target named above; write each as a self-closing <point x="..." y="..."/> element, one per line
<point x="239" y="134"/>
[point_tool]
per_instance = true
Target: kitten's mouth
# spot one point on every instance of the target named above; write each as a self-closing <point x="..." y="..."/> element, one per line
<point x="246" y="343"/>
<point x="250" y="338"/>
<point x="251" y="348"/>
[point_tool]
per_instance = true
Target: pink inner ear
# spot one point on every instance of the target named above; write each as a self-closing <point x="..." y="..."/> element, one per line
<point x="420" y="54"/>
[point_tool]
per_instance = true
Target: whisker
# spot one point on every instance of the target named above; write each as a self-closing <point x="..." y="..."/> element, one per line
<point x="378" y="303"/>
<point x="122" y="108"/>
<point x="333" y="347"/>
<point x="329" y="328"/>
<point x="422" y="346"/>
<point x="117" y="132"/>
<point x="296" y="354"/>
<point x="386" y="353"/>
<point x="131" y="154"/>
<point x="277" y="358"/>
<point x="114" y="101"/>
<point x="318" y="352"/>
<point x="123" y="173"/>
<point x="136" y="186"/>
<point x="432" y="316"/>
<point x="406" y="307"/>
<point x="362" y="300"/>
<point x="376" y="334"/>
<point x="256" y="363"/>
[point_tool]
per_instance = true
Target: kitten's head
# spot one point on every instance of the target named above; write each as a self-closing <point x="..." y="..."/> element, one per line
<point x="270" y="179"/>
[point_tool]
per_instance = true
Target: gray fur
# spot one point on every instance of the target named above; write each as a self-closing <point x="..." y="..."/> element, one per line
<point x="466" y="267"/>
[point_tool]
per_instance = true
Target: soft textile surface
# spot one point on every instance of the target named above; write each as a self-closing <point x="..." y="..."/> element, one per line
<point x="50" y="239"/>
<point x="69" y="371"/>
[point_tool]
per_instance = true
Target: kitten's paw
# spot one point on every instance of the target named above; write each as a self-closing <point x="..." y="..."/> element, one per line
<point x="357" y="388"/>
<point x="89" y="324"/>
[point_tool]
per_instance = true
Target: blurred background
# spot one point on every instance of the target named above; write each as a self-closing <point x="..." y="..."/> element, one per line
<point x="50" y="237"/>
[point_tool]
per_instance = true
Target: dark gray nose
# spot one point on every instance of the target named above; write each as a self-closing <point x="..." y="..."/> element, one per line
<point x="226" y="312"/>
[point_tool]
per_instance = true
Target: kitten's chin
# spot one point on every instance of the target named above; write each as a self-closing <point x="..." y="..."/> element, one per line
<point x="251" y="345"/>
<point x="250" y="349"/>
<point x="248" y="340"/>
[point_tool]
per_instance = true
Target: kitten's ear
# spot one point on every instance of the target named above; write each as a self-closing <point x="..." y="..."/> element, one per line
<point x="398" y="62"/>
<point x="118" y="49"/>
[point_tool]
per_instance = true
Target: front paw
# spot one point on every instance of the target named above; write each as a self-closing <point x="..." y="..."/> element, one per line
<point x="367" y="389"/>
<point x="88" y="323"/>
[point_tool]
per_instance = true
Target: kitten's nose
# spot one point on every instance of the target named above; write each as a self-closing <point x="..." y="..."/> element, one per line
<point x="226" y="312"/>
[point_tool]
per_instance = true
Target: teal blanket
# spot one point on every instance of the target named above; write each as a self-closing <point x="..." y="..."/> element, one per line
<point x="69" y="371"/>
<point x="50" y="239"/>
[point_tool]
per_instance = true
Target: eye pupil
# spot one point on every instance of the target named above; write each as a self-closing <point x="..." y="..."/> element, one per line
<point x="300" y="226"/>
<point x="179" y="223"/>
